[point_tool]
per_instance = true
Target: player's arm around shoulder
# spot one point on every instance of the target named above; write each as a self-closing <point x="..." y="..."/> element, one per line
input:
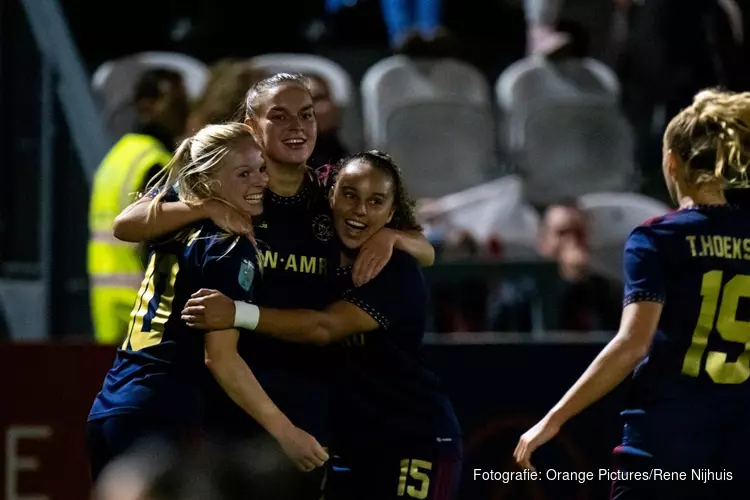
<point x="210" y="308"/>
<point x="362" y="309"/>
<point x="378" y="250"/>
<point x="144" y="220"/>
<point x="338" y="321"/>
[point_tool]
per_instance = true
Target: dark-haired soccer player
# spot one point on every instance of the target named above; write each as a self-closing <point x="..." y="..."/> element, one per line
<point x="395" y="432"/>
<point x="685" y="324"/>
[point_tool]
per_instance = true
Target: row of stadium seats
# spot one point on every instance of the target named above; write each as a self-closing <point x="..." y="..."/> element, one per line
<point x="437" y="117"/>
<point x="498" y="209"/>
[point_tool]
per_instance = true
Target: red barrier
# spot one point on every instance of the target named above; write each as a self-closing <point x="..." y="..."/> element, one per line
<point x="47" y="391"/>
<point x="45" y="396"/>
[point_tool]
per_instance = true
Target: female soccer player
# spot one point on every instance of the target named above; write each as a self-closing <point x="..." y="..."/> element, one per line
<point x="155" y="387"/>
<point x="394" y="428"/>
<point x="296" y="225"/>
<point x="684" y="326"/>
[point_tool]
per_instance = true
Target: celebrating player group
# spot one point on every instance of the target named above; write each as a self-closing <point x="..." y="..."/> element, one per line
<point x="285" y="308"/>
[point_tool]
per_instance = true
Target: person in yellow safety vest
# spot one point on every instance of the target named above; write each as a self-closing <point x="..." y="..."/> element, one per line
<point x="115" y="268"/>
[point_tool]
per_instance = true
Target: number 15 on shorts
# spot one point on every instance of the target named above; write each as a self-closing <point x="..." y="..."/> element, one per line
<point x="414" y="481"/>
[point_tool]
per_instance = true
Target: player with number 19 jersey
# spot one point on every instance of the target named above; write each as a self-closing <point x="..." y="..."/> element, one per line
<point x="689" y="406"/>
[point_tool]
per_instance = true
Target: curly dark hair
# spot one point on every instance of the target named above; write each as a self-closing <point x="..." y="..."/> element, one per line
<point x="404" y="217"/>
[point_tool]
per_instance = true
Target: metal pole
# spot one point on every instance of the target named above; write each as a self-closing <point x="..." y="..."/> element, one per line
<point x="47" y="191"/>
<point x="87" y="131"/>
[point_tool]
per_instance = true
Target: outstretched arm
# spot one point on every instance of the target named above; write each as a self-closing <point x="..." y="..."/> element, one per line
<point x="644" y="298"/>
<point x="611" y="366"/>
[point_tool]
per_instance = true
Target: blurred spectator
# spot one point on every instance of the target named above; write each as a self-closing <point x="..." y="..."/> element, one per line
<point x="566" y="61"/>
<point x="577" y="45"/>
<point x="116" y="268"/>
<point x="328" y="148"/>
<point x="673" y="50"/>
<point x="415" y="27"/>
<point x="541" y="35"/>
<point x="460" y="306"/>
<point x="587" y="301"/>
<point x="224" y="96"/>
<point x="559" y="71"/>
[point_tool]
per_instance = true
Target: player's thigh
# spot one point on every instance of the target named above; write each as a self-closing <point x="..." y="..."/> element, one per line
<point x="108" y="438"/>
<point x="124" y="433"/>
<point x="98" y="451"/>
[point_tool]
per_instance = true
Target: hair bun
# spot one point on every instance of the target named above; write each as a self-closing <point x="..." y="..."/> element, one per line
<point x="381" y="154"/>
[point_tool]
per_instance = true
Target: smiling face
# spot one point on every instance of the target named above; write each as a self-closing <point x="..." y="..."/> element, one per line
<point x="241" y="179"/>
<point x="286" y="120"/>
<point x="362" y="202"/>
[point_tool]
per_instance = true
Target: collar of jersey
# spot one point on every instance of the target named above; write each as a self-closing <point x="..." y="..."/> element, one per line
<point x="723" y="206"/>
<point x="287" y="200"/>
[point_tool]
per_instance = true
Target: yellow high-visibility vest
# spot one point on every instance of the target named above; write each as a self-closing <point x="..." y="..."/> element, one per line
<point x="115" y="268"/>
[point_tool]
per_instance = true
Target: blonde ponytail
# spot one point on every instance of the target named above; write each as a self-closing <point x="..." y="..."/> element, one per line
<point x="712" y="137"/>
<point x="194" y="163"/>
<point x="169" y="175"/>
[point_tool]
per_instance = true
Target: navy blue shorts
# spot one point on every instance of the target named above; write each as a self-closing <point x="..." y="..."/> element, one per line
<point x="111" y="437"/>
<point x="424" y="473"/>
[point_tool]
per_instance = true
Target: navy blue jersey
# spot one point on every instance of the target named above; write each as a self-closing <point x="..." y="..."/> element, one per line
<point x="301" y="251"/>
<point x="385" y="393"/>
<point x="159" y="369"/>
<point x="689" y="408"/>
<point x="697" y="263"/>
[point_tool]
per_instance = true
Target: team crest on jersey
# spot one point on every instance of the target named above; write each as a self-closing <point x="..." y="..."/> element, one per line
<point x="322" y="227"/>
<point x="247" y="273"/>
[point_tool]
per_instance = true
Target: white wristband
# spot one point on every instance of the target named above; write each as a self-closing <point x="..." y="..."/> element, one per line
<point x="246" y="315"/>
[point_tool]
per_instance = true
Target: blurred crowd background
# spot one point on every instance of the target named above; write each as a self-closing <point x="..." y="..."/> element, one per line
<point x="529" y="130"/>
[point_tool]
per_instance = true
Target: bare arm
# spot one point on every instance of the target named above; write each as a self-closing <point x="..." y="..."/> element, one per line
<point x="611" y="366"/>
<point x="415" y="244"/>
<point x="338" y="321"/>
<point x="239" y="382"/>
<point x="377" y="251"/>
<point x="136" y="223"/>
<point x="616" y="361"/>
<point x="212" y="310"/>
